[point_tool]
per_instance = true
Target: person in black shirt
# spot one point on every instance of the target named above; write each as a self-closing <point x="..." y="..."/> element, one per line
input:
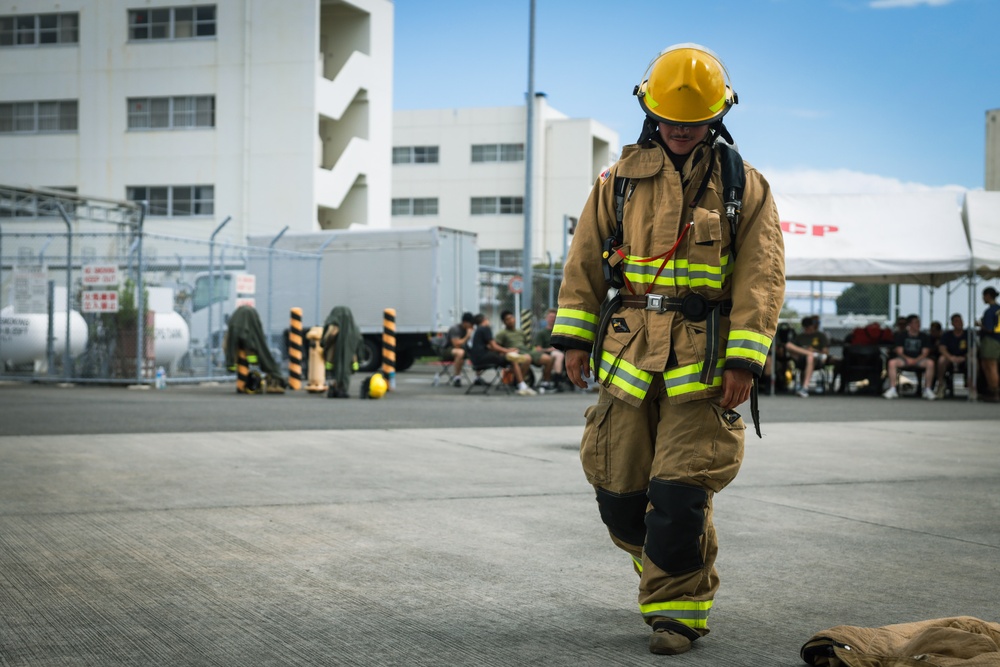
<point x="953" y="349"/>
<point x="912" y="349"/>
<point x="486" y="351"/>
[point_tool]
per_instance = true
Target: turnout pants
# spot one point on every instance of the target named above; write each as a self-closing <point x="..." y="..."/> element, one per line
<point x="655" y="469"/>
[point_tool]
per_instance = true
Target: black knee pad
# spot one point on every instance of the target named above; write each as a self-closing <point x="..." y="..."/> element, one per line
<point x="623" y="514"/>
<point x="675" y="526"/>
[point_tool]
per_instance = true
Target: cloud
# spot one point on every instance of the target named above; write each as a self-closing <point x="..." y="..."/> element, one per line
<point x="892" y="4"/>
<point x="843" y="181"/>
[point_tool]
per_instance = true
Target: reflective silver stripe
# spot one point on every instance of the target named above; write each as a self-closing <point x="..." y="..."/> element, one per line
<point x="578" y="323"/>
<point x="624" y="375"/>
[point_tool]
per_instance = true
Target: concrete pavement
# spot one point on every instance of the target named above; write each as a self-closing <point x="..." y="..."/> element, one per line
<point x="468" y="546"/>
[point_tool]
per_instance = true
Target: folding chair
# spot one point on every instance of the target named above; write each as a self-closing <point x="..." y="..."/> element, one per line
<point x="444" y="372"/>
<point x="491" y="376"/>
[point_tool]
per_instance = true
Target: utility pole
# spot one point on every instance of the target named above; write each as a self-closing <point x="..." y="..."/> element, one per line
<point x="528" y="296"/>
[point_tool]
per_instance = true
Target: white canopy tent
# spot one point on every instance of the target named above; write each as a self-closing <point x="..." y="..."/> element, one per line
<point x="981" y="215"/>
<point x="915" y="238"/>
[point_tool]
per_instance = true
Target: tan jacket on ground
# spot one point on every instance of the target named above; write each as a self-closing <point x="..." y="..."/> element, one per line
<point x="962" y="641"/>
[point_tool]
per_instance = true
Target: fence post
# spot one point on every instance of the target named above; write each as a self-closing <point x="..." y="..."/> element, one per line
<point x="526" y="323"/>
<point x="389" y="346"/>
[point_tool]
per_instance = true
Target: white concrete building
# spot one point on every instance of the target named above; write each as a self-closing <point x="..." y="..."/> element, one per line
<point x="254" y="109"/>
<point x="465" y="169"/>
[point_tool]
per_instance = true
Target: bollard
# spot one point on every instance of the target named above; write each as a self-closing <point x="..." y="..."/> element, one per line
<point x="317" y="364"/>
<point x="526" y="323"/>
<point x="295" y="350"/>
<point x="389" y="346"/>
<point x="242" y="371"/>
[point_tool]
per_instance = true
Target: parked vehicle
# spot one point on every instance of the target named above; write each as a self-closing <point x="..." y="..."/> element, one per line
<point x="430" y="276"/>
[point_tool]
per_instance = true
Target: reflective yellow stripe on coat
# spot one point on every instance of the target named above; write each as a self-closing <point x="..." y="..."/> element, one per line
<point x="748" y="345"/>
<point x="576" y="323"/>
<point x="692" y="613"/>
<point x="685" y="379"/>
<point x="677" y="272"/>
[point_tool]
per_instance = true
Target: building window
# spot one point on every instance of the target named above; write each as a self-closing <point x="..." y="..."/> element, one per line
<point x="166" y="113"/>
<point x="497" y="205"/>
<point x="36" y="206"/>
<point x="35" y="29"/>
<point x="172" y="23"/>
<point x="415" y="155"/>
<point x="38" y="117"/>
<point x="498" y="152"/>
<point x="175" y="201"/>
<point x="420" y="206"/>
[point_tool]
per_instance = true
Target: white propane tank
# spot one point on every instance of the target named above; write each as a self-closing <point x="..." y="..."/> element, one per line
<point x="23" y="337"/>
<point x="172" y="334"/>
<point x="171" y="339"/>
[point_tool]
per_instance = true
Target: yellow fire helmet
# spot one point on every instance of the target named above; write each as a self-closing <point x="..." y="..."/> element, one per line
<point x="686" y="84"/>
<point x="377" y="386"/>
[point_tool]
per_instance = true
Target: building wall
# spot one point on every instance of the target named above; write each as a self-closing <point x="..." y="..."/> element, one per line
<point x="269" y="77"/>
<point x="569" y="155"/>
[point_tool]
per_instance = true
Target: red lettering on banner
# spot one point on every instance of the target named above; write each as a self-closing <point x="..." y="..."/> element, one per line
<point x="800" y="229"/>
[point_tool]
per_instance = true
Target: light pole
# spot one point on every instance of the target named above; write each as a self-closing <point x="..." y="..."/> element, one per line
<point x="528" y="157"/>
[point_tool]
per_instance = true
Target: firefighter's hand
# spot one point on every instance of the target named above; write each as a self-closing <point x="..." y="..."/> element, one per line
<point x="736" y="383"/>
<point x="577" y="367"/>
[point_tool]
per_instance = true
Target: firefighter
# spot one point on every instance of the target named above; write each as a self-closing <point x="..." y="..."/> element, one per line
<point x="671" y="295"/>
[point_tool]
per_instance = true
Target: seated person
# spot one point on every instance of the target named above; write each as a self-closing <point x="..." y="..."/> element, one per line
<point x="487" y="352"/>
<point x="913" y="349"/>
<point x="543" y="343"/>
<point x="511" y="336"/>
<point x="456" y="345"/>
<point x="935" y="331"/>
<point x="809" y="348"/>
<point x="784" y="366"/>
<point x="953" y="349"/>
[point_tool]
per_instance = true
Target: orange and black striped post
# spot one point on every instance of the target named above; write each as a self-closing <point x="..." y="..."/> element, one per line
<point x="242" y="371"/>
<point x="295" y="350"/>
<point x="389" y="345"/>
<point x="527" y="323"/>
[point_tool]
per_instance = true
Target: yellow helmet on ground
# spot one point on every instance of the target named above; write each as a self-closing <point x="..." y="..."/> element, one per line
<point x="686" y="84"/>
<point x="377" y="386"/>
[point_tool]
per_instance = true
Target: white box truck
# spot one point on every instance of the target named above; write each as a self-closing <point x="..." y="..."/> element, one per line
<point x="430" y="276"/>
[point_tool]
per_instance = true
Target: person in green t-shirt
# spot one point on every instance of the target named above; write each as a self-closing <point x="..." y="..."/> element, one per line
<point x="511" y="336"/>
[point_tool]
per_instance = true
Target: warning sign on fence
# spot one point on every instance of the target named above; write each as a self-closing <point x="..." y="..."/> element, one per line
<point x="99" y="301"/>
<point x="95" y="275"/>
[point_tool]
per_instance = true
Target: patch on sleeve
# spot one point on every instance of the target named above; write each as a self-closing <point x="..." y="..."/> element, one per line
<point x="605" y="174"/>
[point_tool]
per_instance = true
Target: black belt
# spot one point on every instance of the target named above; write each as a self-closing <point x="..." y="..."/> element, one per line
<point x="693" y="307"/>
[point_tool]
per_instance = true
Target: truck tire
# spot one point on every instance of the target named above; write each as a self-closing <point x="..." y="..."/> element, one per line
<point x="404" y="359"/>
<point x="371" y="355"/>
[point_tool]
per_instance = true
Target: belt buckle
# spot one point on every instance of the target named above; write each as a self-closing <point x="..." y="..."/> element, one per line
<point x="654" y="302"/>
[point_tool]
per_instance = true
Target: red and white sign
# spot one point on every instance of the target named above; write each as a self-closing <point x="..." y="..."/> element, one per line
<point x="246" y="301"/>
<point x="99" y="301"/>
<point x="100" y="274"/>
<point x="246" y="283"/>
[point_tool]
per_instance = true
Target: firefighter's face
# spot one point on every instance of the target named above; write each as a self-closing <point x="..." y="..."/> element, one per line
<point x="682" y="140"/>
